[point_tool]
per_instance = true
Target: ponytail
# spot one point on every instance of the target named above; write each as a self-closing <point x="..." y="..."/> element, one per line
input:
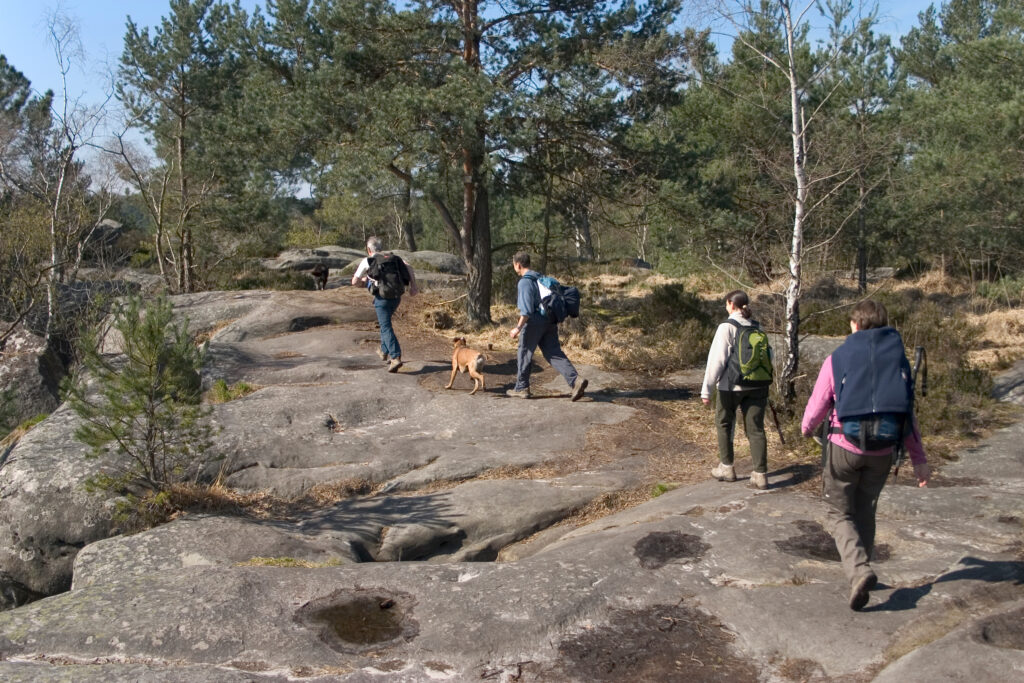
<point x="741" y="301"/>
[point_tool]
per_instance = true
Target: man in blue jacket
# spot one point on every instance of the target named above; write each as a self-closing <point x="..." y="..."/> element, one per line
<point x="535" y="329"/>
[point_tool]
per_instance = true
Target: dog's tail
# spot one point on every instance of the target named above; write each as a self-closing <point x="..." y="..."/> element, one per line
<point x="478" y="364"/>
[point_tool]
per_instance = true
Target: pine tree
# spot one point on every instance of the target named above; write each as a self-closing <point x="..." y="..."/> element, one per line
<point x="141" y="410"/>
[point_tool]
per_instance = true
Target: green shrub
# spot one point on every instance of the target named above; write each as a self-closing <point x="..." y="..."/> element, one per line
<point x="220" y="392"/>
<point x="140" y="410"/>
<point x="144" y="256"/>
<point x="280" y="280"/>
<point x="672" y="303"/>
<point x="662" y="488"/>
<point x="6" y="412"/>
<point x="825" y="319"/>
<point x="1007" y="291"/>
<point x="504" y="282"/>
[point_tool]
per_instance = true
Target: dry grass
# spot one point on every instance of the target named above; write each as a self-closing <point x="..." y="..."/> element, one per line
<point x="287" y="562"/>
<point x="1002" y="338"/>
<point x="208" y="334"/>
<point x="608" y="504"/>
<point x="190" y="497"/>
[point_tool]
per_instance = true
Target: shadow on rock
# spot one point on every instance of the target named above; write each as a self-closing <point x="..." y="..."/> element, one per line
<point x="973" y="569"/>
<point x="791" y="475"/>
<point x="368" y="518"/>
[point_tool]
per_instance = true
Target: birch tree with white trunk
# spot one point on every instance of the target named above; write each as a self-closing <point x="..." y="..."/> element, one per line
<point x="792" y="20"/>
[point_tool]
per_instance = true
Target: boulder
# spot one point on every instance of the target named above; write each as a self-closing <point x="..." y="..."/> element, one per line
<point x="304" y="259"/>
<point x="30" y="373"/>
<point x="46" y="514"/>
<point x="437" y="261"/>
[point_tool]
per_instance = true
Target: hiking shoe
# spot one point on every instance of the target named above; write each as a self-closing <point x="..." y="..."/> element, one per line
<point x="723" y="472"/>
<point x="577" y="391"/>
<point x="518" y="393"/>
<point x="859" y="592"/>
<point x="394" y="364"/>
<point x="759" y="480"/>
<point x="383" y="356"/>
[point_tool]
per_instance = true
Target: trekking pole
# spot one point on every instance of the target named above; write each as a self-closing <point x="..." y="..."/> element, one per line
<point x="920" y="369"/>
<point x="775" y="419"/>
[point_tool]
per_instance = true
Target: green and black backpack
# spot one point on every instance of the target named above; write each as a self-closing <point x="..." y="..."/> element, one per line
<point x="750" y="363"/>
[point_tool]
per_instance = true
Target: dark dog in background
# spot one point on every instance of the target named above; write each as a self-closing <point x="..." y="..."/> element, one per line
<point x="320" y="272"/>
<point x="469" y="360"/>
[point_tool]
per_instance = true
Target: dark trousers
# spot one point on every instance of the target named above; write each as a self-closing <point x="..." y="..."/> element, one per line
<point x="752" y="403"/>
<point x="388" y="341"/>
<point x="543" y="335"/>
<point x="851" y="484"/>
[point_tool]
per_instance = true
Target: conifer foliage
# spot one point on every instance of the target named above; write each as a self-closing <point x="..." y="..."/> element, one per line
<point x="141" y="409"/>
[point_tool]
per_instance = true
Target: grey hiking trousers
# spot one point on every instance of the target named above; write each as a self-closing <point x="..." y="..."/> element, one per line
<point x="752" y="403"/>
<point x="851" y="484"/>
<point x="543" y="335"/>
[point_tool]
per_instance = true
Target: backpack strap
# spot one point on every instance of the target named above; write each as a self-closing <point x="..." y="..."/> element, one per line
<point x="536" y="285"/>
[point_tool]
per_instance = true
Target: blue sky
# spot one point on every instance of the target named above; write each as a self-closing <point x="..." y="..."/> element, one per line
<point x="23" y="37"/>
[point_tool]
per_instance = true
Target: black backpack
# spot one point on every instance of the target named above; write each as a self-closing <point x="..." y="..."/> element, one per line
<point x="390" y="274"/>
<point x="562" y="302"/>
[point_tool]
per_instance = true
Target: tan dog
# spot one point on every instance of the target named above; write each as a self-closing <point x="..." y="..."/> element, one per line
<point x="465" y="359"/>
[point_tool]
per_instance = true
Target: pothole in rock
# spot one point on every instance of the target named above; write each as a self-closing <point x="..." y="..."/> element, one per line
<point x="1005" y="630"/>
<point x="664" y="643"/>
<point x="658" y="548"/>
<point x="817" y="544"/>
<point x="355" y="621"/>
<point x="307" y="322"/>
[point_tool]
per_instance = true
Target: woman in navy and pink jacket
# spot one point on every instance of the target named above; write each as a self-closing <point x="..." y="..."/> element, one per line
<point x="853" y="477"/>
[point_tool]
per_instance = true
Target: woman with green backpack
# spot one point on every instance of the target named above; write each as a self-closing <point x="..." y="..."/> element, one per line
<point x="739" y="382"/>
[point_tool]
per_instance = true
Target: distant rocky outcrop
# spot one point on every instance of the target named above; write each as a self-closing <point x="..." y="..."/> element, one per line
<point x="342" y="258"/>
<point x="304" y="259"/>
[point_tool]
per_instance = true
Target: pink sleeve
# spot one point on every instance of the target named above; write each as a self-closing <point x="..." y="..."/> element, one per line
<point x="915" y="448"/>
<point x="821" y="400"/>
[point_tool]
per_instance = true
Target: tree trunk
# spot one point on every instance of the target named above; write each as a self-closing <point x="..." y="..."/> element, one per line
<point x="584" y="242"/>
<point x="478" y="304"/>
<point x="542" y="262"/>
<point x="186" y="254"/>
<point x="408" y="223"/>
<point x="476" y="221"/>
<point x="862" y="238"/>
<point x="793" y="290"/>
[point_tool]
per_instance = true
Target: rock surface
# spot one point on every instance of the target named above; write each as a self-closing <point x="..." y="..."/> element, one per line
<point x="708" y="582"/>
<point x="31" y="373"/>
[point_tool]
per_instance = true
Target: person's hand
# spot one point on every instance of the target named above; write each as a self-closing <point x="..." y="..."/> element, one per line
<point x="923" y="474"/>
<point x="706" y="401"/>
<point x="413" y="290"/>
<point x="514" y="332"/>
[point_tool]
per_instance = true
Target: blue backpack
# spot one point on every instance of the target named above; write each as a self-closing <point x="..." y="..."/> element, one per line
<point x="560" y="303"/>
<point x="874" y="388"/>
